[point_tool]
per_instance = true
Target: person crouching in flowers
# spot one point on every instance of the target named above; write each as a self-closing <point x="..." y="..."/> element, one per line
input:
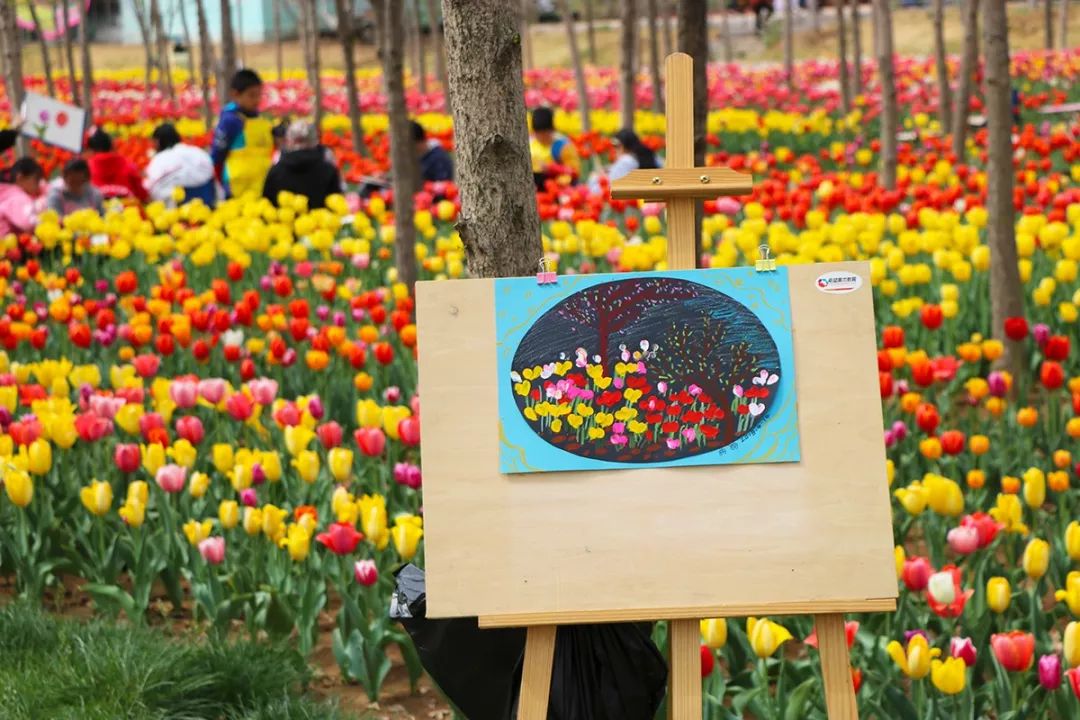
<point x="72" y="191"/>
<point x="20" y="197"/>
<point x="179" y="169"/>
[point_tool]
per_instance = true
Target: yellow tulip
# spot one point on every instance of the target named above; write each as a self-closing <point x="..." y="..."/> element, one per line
<point x="97" y="497"/>
<point x="183" y="453"/>
<point x="196" y="531"/>
<point x="9" y="397"/>
<point x="133" y="512"/>
<point x="297" y="541"/>
<point x="153" y="457"/>
<point x="901" y="557"/>
<point x="1071" y="594"/>
<point x="200" y="483"/>
<point x="944" y="496"/>
<point x="998" y="594"/>
<point x="340" y="499"/>
<point x="1070" y="639"/>
<point x="915" y="660"/>
<point x="372" y="509"/>
<point x="406" y="536"/>
<point x="392" y="415"/>
<point x="19" y="487"/>
<point x="253" y="520"/>
<point x="1036" y="558"/>
<point x="229" y="514"/>
<point x="273" y="519"/>
<point x="138" y="491"/>
<point x="1009" y="512"/>
<point x="40" y="457"/>
<point x="950" y="676"/>
<point x="914" y="497"/>
<point x="765" y="636"/>
<point x="222" y="454"/>
<point x="340" y="461"/>
<point x="270" y="462"/>
<point x="128" y="416"/>
<point x="307" y="465"/>
<point x="62" y="431"/>
<point x="240" y="477"/>
<point x="1034" y="488"/>
<point x="297" y="438"/>
<point x="714" y="632"/>
<point x="1072" y="540"/>
<point x="368" y="413"/>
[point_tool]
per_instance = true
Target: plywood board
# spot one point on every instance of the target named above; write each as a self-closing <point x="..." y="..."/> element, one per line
<point x="554" y="547"/>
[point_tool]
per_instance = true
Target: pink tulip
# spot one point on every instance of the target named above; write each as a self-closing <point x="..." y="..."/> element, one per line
<point x="315" y="407"/>
<point x="212" y="550"/>
<point x="963" y="648"/>
<point x="249" y="497"/>
<point x="963" y="539"/>
<point x="171" y="478"/>
<point x="263" y="391"/>
<point x="409" y="431"/>
<point x="392" y="395"/>
<point x="184" y="392"/>
<point x="366" y="572"/>
<point x="105" y="406"/>
<point x="212" y="390"/>
<point x="1050" y="672"/>
<point x="407" y="474"/>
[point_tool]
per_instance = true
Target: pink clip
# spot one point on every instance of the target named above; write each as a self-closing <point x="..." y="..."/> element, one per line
<point x="545" y="276"/>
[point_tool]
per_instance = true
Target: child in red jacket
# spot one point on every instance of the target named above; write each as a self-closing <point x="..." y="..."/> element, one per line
<point x="111" y="172"/>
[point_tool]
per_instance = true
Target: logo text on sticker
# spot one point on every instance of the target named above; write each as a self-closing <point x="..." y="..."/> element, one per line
<point x="839" y="282"/>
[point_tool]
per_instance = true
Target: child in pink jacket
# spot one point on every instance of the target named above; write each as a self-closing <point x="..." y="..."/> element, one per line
<point x="20" y="197"/>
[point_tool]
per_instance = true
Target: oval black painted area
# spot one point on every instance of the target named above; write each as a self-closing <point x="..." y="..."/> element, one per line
<point x="645" y="370"/>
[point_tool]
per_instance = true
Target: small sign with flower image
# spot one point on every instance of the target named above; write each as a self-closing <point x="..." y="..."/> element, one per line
<point x="53" y="122"/>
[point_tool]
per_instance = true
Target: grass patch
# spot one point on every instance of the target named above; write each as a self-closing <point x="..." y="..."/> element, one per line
<point x="67" y="670"/>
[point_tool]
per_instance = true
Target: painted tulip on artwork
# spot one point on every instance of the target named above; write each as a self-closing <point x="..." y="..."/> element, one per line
<point x="619" y="371"/>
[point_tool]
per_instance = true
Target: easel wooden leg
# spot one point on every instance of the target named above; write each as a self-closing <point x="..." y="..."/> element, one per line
<point x="836" y="668"/>
<point x="684" y="683"/>
<point x="536" y="674"/>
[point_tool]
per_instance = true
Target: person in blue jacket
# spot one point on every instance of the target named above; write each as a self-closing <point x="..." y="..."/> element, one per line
<point x="243" y="147"/>
<point x="435" y="163"/>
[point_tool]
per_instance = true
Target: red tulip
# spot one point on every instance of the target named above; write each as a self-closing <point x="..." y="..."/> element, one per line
<point x="1074" y="680"/>
<point x="1016" y="328"/>
<point x="927" y="418"/>
<point x="944" y="593"/>
<point x="1051" y="375"/>
<point x="146" y="365"/>
<point x="923" y="374"/>
<point x="1057" y="348"/>
<point x="851" y="628"/>
<point x="329" y="434"/>
<point x="92" y="427"/>
<point x="963" y="648"/>
<point x="856" y="679"/>
<point x="371" y="441"/>
<point x="916" y="573"/>
<point x="239" y="406"/>
<point x="892" y="336"/>
<point x="931" y="316"/>
<point x="708" y="661"/>
<point x="127" y="457"/>
<point x="409" y="431"/>
<point x="340" y="538"/>
<point x="384" y="353"/>
<point x="1014" y="650"/>
<point x="366" y="572"/>
<point x="987" y="527"/>
<point x="26" y="431"/>
<point x="885" y="384"/>
<point x="190" y="428"/>
<point x="952" y="442"/>
<point x="149" y="422"/>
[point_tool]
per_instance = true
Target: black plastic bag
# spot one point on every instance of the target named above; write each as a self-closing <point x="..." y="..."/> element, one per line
<point x="600" y="672"/>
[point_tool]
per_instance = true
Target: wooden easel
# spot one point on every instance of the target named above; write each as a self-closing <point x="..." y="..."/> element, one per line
<point x="680" y="184"/>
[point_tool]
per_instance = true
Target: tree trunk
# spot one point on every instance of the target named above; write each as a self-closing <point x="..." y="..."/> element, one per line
<point x="87" y="67"/>
<point x="725" y="34"/>
<point x="69" y="50"/>
<point x="164" y="66"/>
<point x="46" y="60"/>
<point x="420" y="48"/>
<point x="815" y="14"/>
<point x="889" y="112"/>
<point x="590" y="30"/>
<point x="579" y="70"/>
<point x="694" y="41"/>
<point x="228" y="51"/>
<point x="1063" y="24"/>
<point x="969" y="63"/>
<point x="206" y="63"/>
<point x="654" y="59"/>
<point x="526" y="32"/>
<point x="312" y="62"/>
<point x="348" y="42"/>
<point x="856" y="50"/>
<point x="1006" y="293"/>
<point x="667" y="9"/>
<point x="437" y="45"/>
<point x="13" y="67"/>
<point x="139" y="8"/>
<point x="941" y="62"/>
<point x="627" y="67"/>
<point x="841" y="36"/>
<point x="1048" y="23"/>
<point x="499" y="224"/>
<point x="185" y="27"/>
<point x="789" y="43"/>
<point x="391" y="21"/>
<point x="279" y="49"/>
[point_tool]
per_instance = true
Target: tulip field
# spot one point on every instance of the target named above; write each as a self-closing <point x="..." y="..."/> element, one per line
<point x="213" y="414"/>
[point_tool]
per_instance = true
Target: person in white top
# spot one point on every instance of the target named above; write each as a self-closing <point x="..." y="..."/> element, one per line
<point x="633" y="155"/>
<point x="176" y="164"/>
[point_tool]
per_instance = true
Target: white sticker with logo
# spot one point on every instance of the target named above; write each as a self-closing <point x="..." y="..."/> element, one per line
<point x="839" y="282"/>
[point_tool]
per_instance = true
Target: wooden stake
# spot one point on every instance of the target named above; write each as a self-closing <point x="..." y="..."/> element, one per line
<point x="536" y="674"/>
<point x="684" y="682"/>
<point x="836" y="667"/>
<point x="679" y="72"/>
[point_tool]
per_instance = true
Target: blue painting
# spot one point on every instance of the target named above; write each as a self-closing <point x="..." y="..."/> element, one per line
<point x="602" y="372"/>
